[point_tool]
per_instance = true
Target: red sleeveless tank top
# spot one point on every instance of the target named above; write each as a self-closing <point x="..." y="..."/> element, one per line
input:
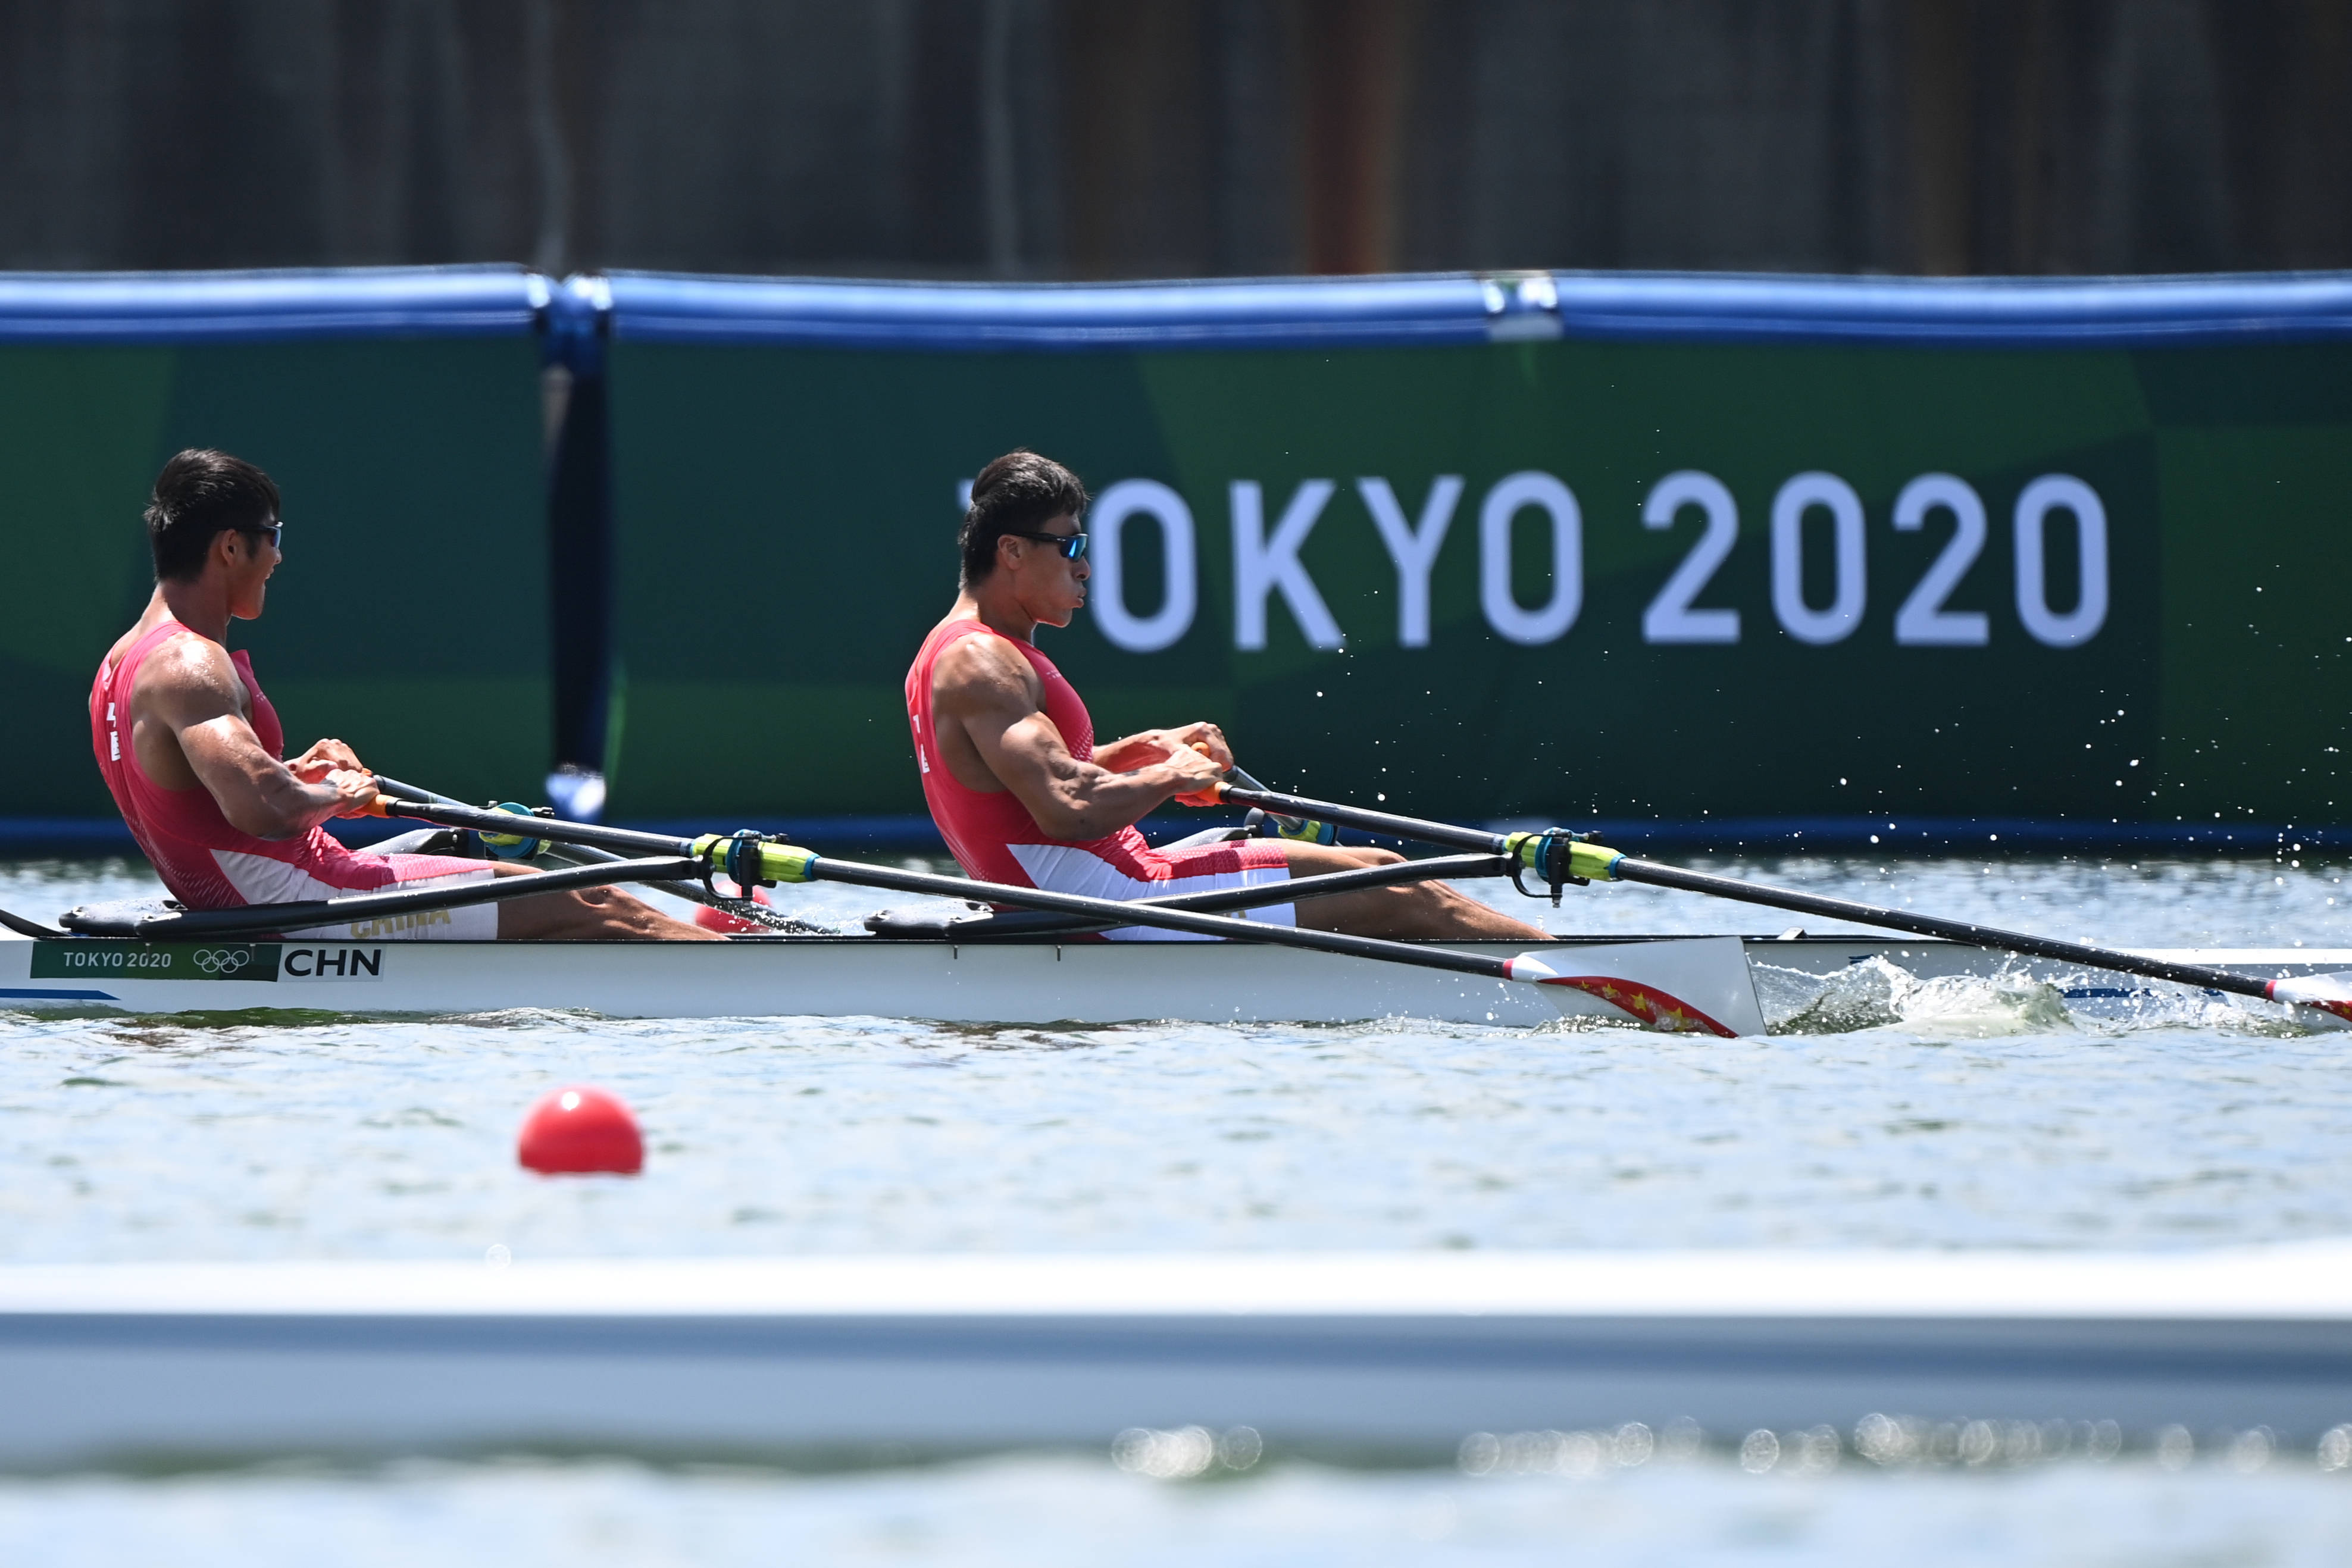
<point x="979" y="827"/>
<point x="206" y="863"/>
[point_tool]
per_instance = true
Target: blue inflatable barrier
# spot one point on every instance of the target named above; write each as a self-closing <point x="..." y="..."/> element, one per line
<point x="173" y="308"/>
<point x="2110" y="313"/>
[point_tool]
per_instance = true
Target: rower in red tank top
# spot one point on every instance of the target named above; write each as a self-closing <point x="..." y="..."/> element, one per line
<point x="210" y="864"/>
<point x="1017" y="786"/>
<point x="993" y="836"/>
<point x="190" y="748"/>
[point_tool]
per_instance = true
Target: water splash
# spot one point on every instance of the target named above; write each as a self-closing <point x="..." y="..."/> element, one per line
<point x="1877" y="994"/>
<point x="1880" y="994"/>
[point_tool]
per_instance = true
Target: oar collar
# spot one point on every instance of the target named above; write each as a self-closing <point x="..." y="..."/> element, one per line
<point x="749" y="861"/>
<point x="1560" y="858"/>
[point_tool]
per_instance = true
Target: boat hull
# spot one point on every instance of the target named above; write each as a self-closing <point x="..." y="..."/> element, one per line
<point x="1030" y="982"/>
<point x="996" y="982"/>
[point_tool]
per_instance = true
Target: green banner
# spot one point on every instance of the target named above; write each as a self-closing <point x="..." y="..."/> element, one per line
<point x="1557" y="579"/>
<point x="410" y="617"/>
<point x="156" y="960"/>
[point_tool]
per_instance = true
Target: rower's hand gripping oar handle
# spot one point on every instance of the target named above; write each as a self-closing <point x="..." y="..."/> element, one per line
<point x="1207" y="797"/>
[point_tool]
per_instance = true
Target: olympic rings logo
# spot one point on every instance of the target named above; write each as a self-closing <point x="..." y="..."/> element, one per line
<point x="222" y="960"/>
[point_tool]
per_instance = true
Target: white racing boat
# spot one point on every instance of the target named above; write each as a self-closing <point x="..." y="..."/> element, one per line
<point x="1046" y="963"/>
<point x="1706" y="984"/>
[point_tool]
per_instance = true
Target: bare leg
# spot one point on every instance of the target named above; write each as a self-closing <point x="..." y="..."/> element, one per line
<point x="1413" y="910"/>
<point x="588" y="914"/>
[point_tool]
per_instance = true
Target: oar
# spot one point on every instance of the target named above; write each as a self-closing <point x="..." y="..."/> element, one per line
<point x="1205" y="903"/>
<point x="692" y="892"/>
<point x="1244" y="790"/>
<point x="751" y="860"/>
<point x="1559" y="856"/>
<point x="1035" y="923"/>
<point x="257" y="918"/>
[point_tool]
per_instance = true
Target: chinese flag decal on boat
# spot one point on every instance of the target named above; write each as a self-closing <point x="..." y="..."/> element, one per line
<point x="1651" y="1006"/>
<point x="1653" y="981"/>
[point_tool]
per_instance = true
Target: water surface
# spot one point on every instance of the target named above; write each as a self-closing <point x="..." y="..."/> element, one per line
<point x="1953" y="1115"/>
<point x="1038" y="1512"/>
<point x="1963" y="1113"/>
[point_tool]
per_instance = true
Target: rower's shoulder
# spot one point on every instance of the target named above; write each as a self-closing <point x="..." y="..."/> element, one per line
<point x="981" y="660"/>
<point x="190" y="664"/>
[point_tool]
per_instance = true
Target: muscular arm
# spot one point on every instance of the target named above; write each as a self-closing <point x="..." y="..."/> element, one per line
<point x="189" y="727"/>
<point x="986" y="699"/>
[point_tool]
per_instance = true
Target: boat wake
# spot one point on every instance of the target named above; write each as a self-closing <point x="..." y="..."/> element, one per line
<point x="526" y="1019"/>
<point x="1879" y="993"/>
<point x="1875" y="994"/>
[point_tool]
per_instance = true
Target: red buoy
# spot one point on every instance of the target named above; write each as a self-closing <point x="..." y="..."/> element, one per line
<point x="581" y="1132"/>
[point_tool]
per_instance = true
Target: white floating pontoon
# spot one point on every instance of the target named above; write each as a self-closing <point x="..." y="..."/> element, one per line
<point x="1405" y="1353"/>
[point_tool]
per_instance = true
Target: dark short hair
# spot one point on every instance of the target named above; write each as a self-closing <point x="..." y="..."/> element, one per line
<point x="200" y="493"/>
<point x="1016" y="494"/>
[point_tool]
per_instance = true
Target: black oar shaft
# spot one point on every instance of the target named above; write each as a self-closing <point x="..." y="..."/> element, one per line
<point x="386" y="785"/>
<point x="506" y="824"/>
<point x="1113" y="912"/>
<point x="1627" y="869"/>
<point x="269" y="917"/>
<point x="1413" y="828"/>
<point x="1109" y="911"/>
<point x="1331" y="881"/>
<point x="1656" y="875"/>
<point x="33" y="928"/>
<point x="1305" y="887"/>
<point x="744" y="908"/>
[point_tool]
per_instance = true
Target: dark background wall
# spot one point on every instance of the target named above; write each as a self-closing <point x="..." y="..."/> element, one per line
<point x="1127" y="138"/>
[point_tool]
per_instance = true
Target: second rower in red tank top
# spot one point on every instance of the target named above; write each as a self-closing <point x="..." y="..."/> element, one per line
<point x="1024" y="796"/>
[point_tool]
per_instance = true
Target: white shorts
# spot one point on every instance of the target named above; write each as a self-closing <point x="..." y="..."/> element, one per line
<point x="470" y="922"/>
<point x="1065" y="868"/>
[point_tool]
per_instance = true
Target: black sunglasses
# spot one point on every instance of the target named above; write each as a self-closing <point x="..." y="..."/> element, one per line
<point x="1072" y="546"/>
<point x="270" y="531"/>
